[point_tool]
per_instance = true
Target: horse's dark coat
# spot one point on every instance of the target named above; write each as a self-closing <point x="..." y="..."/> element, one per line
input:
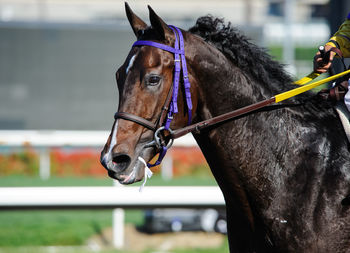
<point x="283" y="173"/>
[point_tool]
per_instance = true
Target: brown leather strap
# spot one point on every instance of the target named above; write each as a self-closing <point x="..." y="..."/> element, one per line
<point x="146" y="123"/>
<point x="338" y="92"/>
<point x="165" y="108"/>
<point x="141" y="121"/>
<point x="221" y="118"/>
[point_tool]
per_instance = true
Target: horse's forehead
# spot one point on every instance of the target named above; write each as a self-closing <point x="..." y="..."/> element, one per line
<point x="145" y="57"/>
<point x="140" y="62"/>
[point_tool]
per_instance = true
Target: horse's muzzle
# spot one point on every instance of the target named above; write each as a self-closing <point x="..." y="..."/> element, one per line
<point x="117" y="165"/>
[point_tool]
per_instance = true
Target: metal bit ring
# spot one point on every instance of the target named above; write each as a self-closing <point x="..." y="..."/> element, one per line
<point x="158" y="140"/>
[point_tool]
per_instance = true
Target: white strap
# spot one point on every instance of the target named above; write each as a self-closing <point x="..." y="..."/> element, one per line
<point x="148" y="173"/>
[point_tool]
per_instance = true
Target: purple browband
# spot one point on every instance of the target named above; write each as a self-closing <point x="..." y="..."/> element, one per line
<point x="179" y="52"/>
<point x="158" y="45"/>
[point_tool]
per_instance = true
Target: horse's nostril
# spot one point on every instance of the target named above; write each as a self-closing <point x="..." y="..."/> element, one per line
<point x="121" y="160"/>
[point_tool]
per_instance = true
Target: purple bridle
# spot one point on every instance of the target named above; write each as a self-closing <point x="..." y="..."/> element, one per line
<point x="179" y="57"/>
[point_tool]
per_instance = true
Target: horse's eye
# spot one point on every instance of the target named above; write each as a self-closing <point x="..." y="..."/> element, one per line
<point x="153" y="80"/>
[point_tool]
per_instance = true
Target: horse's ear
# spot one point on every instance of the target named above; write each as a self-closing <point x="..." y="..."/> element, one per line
<point x="136" y="23"/>
<point x="159" y="25"/>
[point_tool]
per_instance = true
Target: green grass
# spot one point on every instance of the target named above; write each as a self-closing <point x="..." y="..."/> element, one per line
<point x="222" y="249"/>
<point x="22" y="181"/>
<point x="50" y="227"/>
<point x="156" y="180"/>
<point x="69" y="227"/>
<point x="63" y="227"/>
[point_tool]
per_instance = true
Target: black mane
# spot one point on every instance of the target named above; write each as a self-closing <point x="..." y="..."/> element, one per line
<point x="254" y="60"/>
<point x="244" y="54"/>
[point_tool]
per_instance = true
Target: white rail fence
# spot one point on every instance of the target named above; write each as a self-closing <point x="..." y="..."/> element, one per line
<point x="20" y="198"/>
<point x="110" y="197"/>
<point x="96" y="197"/>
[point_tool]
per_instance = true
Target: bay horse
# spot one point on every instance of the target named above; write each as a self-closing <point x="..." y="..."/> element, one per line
<point x="284" y="173"/>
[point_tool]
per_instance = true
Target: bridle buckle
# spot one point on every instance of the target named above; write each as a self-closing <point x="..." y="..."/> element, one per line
<point x="170" y="116"/>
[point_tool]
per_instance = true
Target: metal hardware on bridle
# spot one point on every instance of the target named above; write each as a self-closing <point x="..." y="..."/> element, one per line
<point x="170" y="107"/>
<point x="158" y="139"/>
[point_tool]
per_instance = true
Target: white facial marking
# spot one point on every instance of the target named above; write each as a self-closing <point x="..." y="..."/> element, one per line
<point x="113" y="141"/>
<point x="131" y="62"/>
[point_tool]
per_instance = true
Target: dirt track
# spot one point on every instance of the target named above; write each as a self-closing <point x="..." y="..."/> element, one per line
<point x="137" y="241"/>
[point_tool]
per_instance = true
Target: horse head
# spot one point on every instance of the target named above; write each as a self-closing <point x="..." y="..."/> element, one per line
<point x="146" y="91"/>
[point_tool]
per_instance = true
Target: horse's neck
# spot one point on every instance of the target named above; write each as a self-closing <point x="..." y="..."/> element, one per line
<point x="223" y="88"/>
<point x="258" y="148"/>
<point x="219" y="82"/>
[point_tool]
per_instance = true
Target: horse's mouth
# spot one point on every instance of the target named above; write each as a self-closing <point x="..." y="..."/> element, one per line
<point x="134" y="175"/>
<point x="124" y="179"/>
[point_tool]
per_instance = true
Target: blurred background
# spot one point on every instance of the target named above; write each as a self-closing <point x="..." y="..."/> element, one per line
<point x="58" y="60"/>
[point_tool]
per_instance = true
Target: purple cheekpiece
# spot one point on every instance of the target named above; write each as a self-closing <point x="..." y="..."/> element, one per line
<point x="179" y="56"/>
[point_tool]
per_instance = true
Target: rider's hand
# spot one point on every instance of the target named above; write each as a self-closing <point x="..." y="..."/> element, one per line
<point x="319" y="65"/>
